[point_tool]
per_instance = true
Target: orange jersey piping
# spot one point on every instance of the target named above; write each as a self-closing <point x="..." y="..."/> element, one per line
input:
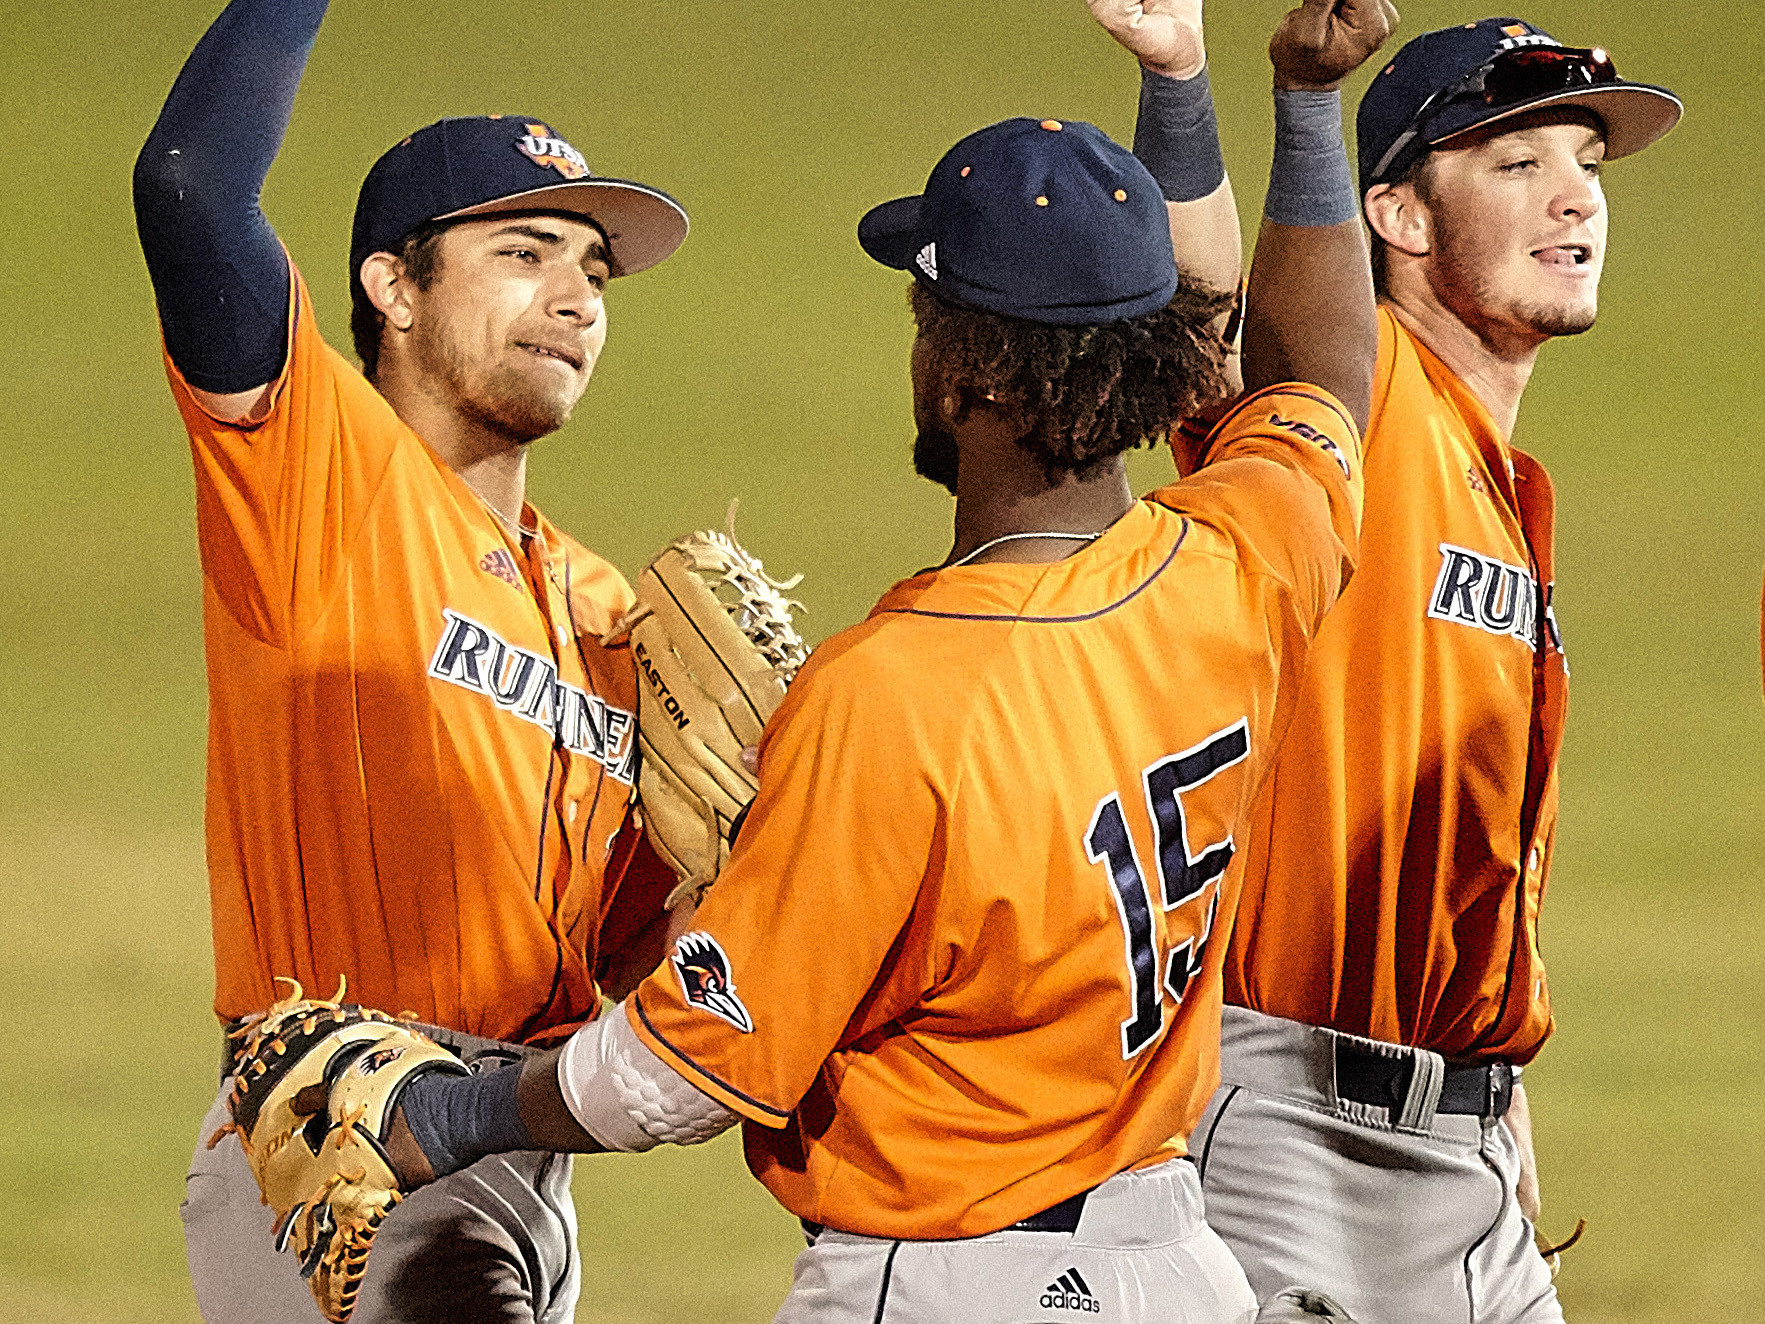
<point x="783" y="1115"/>
<point x="1299" y="389"/>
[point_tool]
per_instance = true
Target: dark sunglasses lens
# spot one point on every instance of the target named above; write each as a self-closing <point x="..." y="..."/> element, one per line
<point x="1522" y="75"/>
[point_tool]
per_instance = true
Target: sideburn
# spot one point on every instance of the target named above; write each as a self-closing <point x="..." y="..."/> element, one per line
<point x="935" y="456"/>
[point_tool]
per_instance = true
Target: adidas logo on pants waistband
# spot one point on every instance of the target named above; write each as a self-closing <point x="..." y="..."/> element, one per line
<point x="1070" y="1292"/>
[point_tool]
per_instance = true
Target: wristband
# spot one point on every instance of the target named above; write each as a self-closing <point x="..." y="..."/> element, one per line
<point x="1309" y="181"/>
<point x="1177" y="137"/>
<point x="457" y="1121"/>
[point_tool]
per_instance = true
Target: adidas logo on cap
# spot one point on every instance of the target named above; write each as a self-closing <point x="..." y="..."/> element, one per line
<point x="928" y="260"/>
<point x="1070" y="1292"/>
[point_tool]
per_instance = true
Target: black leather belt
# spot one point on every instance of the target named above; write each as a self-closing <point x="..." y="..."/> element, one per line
<point x="1063" y="1217"/>
<point x="1364" y="1075"/>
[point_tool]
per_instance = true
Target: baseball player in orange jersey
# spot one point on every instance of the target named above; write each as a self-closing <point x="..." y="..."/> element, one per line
<point x="420" y="759"/>
<point x="1384" y="983"/>
<point x="957" y="979"/>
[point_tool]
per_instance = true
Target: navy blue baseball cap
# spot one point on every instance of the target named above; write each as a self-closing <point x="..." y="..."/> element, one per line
<point x="1046" y="220"/>
<point x="1448" y="83"/>
<point x="481" y="165"/>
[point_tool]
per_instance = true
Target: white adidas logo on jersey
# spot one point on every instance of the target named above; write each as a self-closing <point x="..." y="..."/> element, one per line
<point x="928" y="260"/>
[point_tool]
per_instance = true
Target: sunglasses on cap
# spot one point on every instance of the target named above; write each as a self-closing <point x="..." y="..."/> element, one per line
<point x="1511" y="79"/>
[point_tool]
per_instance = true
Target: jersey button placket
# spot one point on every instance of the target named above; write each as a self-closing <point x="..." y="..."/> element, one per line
<point x="582" y="775"/>
<point x="551" y="603"/>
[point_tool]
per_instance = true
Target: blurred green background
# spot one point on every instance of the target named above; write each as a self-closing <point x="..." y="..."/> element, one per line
<point x="768" y="361"/>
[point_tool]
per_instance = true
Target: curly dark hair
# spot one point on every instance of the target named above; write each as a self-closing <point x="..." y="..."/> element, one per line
<point x="421" y="254"/>
<point x="1089" y="393"/>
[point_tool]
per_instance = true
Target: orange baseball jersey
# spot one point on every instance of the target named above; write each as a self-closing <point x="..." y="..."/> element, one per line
<point x="973" y="902"/>
<point x="420" y="760"/>
<point x="1393" y="875"/>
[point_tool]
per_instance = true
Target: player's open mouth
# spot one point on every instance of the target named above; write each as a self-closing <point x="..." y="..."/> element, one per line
<point x="1566" y="256"/>
<point x="557" y="352"/>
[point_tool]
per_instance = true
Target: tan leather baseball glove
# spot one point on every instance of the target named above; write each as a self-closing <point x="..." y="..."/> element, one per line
<point x="715" y="645"/>
<point x="314" y="1087"/>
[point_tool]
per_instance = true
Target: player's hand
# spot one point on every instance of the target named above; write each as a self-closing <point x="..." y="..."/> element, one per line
<point x="1323" y="41"/>
<point x="409" y="1162"/>
<point x="1164" y="35"/>
<point x="1518" y="1120"/>
<point x="1526" y="1189"/>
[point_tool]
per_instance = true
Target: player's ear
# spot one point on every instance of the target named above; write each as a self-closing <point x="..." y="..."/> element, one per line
<point x="383" y="279"/>
<point x="1009" y="412"/>
<point x="1398" y="215"/>
<point x="962" y="397"/>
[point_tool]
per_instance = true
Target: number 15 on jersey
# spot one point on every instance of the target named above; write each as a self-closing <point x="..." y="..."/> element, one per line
<point x="1185" y="877"/>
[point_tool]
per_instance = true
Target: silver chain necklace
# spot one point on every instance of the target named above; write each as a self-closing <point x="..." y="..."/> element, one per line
<point x="1013" y="537"/>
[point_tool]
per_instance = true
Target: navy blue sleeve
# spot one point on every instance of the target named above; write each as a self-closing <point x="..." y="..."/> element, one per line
<point x="219" y="274"/>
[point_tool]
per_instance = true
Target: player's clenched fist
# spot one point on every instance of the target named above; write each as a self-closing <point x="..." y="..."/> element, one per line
<point x="1323" y="41"/>
<point x="1164" y="35"/>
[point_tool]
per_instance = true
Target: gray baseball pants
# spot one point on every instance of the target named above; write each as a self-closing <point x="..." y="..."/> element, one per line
<point x="1405" y="1220"/>
<point x="1141" y="1252"/>
<point x="492" y="1244"/>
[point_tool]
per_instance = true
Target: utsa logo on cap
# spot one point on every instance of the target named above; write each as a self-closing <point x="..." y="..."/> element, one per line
<point x="1518" y="36"/>
<point x="703" y="969"/>
<point x="547" y="149"/>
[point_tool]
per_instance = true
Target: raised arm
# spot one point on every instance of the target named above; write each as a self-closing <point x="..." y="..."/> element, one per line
<point x="1176" y="136"/>
<point x="219" y="273"/>
<point x="1310" y="313"/>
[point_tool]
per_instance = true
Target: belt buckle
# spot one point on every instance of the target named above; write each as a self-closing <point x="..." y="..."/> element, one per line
<point x="491" y="1059"/>
<point x="1498" y="1092"/>
<point x="1403" y="1075"/>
